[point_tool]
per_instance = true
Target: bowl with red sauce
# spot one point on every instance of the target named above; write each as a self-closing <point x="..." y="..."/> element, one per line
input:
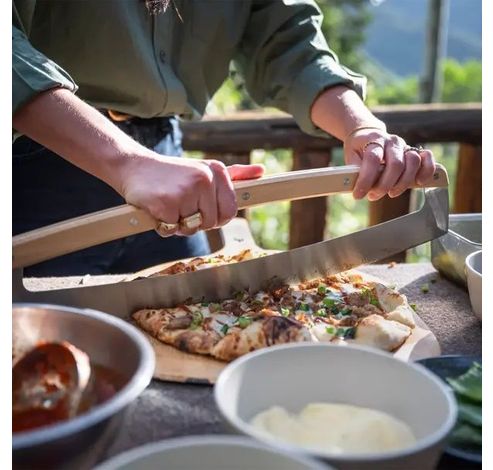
<point x="122" y="364"/>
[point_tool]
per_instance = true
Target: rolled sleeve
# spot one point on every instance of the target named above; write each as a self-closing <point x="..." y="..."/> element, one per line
<point x="32" y="72"/>
<point x="323" y="73"/>
<point x="286" y="61"/>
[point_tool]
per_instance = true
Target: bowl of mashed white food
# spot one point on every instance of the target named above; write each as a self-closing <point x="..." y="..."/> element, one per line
<point x="352" y="407"/>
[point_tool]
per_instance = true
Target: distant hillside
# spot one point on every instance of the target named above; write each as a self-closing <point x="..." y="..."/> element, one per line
<point x="396" y="36"/>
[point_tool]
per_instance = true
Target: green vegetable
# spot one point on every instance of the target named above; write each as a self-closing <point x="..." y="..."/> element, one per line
<point x="331" y="330"/>
<point x="224" y="329"/>
<point x="346" y="332"/>
<point x="343" y="313"/>
<point x="204" y="304"/>
<point x="425" y="288"/>
<point x="243" y="322"/>
<point x="413" y="306"/>
<point x="285" y="312"/>
<point x="469" y="412"/>
<point x="329" y="302"/>
<point x="305" y="307"/>
<point x="371" y="297"/>
<point x="197" y="319"/>
<point x="465" y="434"/>
<point x="321" y="312"/>
<point x="322" y="289"/>
<point x="469" y="384"/>
<point x="468" y="392"/>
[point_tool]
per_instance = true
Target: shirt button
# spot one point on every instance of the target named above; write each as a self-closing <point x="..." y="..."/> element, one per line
<point x="162" y="56"/>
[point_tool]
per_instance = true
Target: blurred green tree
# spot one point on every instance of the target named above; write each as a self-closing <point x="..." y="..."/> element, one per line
<point x="461" y="84"/>
<point x="344" y="26"/>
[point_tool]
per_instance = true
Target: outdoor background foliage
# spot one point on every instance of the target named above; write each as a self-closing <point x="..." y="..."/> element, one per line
<point x="346" y="25"/>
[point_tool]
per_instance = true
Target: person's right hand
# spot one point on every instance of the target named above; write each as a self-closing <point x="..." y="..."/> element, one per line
<point x="171" y="188"/>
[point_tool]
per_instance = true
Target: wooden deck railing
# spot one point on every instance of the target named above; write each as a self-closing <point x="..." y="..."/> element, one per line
<point x="232" y="138"/>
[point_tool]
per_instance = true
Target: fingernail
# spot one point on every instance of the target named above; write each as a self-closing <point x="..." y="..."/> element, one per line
<point x="359" y="194"/>
<point x="373" y="195"/>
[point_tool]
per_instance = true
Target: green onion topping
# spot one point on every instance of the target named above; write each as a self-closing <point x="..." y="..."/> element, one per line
<point x="328" y="302"/>
<point x="321" y="312"/>
<point x="346" y="332"/>
<point x="343" y="313"/>
<point x="243" y="322"/>
<point x="197" y="319"/>
<point x="285" y="312"/>
<point x="322" y="289"/>
<point x="305" y="307"/>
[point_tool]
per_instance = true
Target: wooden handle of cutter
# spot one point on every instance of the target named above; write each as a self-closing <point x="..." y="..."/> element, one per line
<point x="111" y="224"/>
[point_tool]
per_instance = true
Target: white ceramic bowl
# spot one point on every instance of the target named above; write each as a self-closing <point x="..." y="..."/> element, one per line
<point x="295" y="375"/>
<point x="474" y="274"/>
<point x="209" y="453"/>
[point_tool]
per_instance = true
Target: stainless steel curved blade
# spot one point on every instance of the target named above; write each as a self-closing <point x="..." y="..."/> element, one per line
<point x="331" y="256"/>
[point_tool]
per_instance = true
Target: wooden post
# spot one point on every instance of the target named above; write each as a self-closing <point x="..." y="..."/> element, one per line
<point x="435" y="51"/>
<point x="387" y="209"/>
<point x="307" y="217"/>
<point x="468" y="186"/>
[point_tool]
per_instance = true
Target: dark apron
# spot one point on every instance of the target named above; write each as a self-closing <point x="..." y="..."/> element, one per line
<point x="48" y="189"/>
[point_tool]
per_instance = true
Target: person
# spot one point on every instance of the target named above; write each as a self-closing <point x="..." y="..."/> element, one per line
<point x="100" y="84"/>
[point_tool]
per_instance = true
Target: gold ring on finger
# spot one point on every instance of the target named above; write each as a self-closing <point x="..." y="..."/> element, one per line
<point x="192" y="222"/>
<point x="166" y="230"/>
<point x="373" y="142"/>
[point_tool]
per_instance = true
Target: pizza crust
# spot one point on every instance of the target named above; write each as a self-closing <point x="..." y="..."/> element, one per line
<point x="260" y="334"/>
<point x="394" y="304"/>
<point x="377" y="332"/>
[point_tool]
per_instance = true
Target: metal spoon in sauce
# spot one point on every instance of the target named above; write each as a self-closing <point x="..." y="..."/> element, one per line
<point x="48" y="384"/>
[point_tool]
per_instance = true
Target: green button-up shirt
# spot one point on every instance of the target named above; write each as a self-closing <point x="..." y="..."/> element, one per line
<point x="120" y="57"/>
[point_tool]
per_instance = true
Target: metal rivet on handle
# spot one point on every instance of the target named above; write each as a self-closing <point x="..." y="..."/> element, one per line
<point x="245" y="196"/>
<point x="346" y="181"/>
<point x="436" y="176"/>
<point x="133" y="221"/>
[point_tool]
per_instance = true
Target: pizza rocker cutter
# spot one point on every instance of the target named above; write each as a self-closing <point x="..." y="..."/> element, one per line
<point x="326" y="257"/>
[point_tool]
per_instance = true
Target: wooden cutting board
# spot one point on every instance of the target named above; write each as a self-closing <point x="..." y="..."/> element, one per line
<point x="176" y="366"/>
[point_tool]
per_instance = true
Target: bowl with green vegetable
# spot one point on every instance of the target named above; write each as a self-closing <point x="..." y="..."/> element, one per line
<point x="464" y="375"/>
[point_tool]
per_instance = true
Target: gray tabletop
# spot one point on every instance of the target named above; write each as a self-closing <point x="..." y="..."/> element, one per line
<point x="167" y="409"/>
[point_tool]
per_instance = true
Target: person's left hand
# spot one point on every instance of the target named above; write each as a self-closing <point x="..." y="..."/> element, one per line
<point x="403" y="166"/>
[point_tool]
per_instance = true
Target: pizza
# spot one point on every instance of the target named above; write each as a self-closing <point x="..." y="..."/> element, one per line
<point x="202" y="262"/>
<point x="343" y="309"/>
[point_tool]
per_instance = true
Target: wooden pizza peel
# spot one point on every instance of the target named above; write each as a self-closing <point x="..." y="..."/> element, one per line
<point x="178" y="366"/>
